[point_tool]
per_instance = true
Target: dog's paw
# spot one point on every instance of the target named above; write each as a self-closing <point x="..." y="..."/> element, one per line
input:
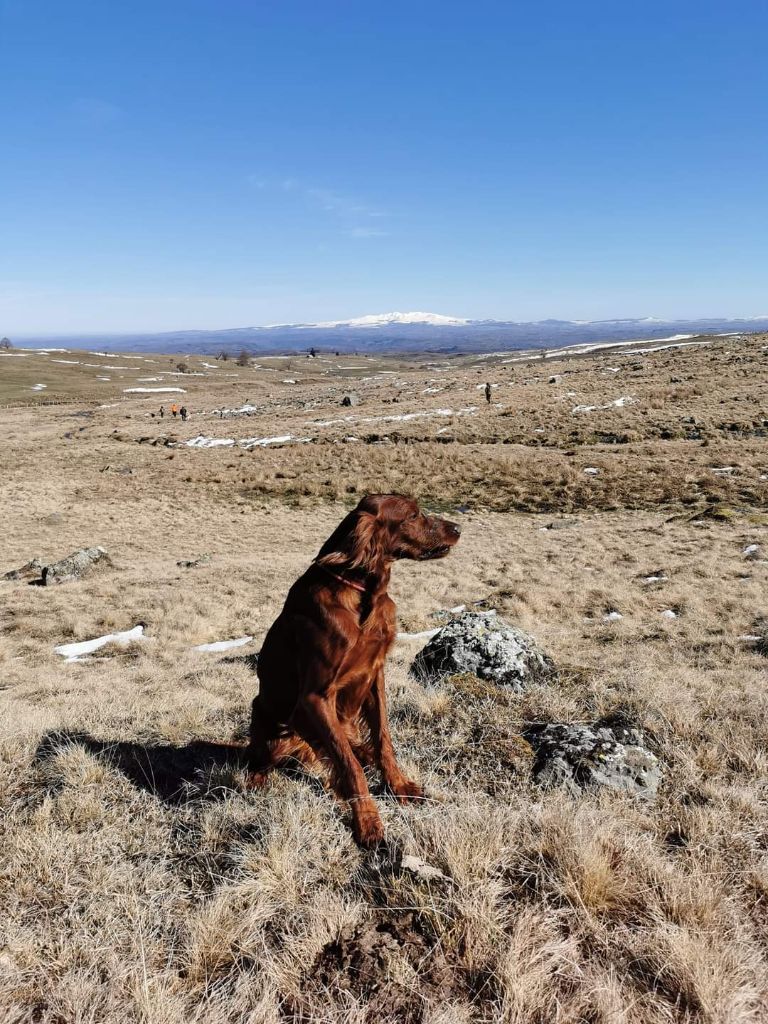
<point x="368" y="828"/>
<point x="406" y="790"/>
<point x="255" y="780"/>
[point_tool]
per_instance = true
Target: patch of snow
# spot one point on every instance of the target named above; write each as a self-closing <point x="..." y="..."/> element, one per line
<point x="224" y="645"/>
<point x="75" y="652"/>
<point x="580" y="350"/>
<point x="289" y="380"/>
<point x="70" y="362"/>
<point x="751" y="551"/>
<point x="655" y="579"/>
<point x="617" y="403"/>
<point x="38" y="387"/>
<point x="209" y="442"/>
<point x="669" y="614"/>
<point x="662" y="348"/>
<point x="149" y="391"/>
<point x="722" y="470"/>
<point x="592" y="470"/>
<point x="426" y="634"/>
<point x="247" y="442"/>
<point x="612" y="617"/>
<point x="468" y="411"/>
<point x="262" y="442"/>
<point x="103" y="378"/>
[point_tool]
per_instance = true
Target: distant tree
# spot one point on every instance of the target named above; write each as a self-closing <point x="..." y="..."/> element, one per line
<point x="244" y="358"/>
<point x="223" y="356"/>
<point x="5" y="343"/>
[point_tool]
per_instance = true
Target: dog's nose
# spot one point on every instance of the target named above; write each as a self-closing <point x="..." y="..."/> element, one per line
<point x="454" y="528"/>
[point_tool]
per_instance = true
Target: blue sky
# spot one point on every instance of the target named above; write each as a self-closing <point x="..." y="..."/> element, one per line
<point x="219" y="163"/>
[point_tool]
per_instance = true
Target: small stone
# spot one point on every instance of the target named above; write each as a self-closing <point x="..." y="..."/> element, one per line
<point x="562" y="524"/>
<point x="420" y="868"/>
<point x="193" y="563"/>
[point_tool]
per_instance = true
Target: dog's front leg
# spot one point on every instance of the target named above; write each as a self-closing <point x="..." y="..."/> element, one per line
<point x="320" y="709"/>
<point x="375" y="711"/>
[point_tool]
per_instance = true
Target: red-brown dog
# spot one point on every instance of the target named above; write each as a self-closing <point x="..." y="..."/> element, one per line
<point x="321" y="669"/>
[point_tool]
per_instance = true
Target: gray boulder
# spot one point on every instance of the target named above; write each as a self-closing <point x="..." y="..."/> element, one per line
<point x="486" y="647"/>
<point x="586" y="756"/>
<point x="73" y="567"/>
<point x="30" y="571"/>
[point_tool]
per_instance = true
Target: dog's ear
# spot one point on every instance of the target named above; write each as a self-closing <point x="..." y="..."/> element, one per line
<point x="366" y="548"/>
<point x="356" y="543"/>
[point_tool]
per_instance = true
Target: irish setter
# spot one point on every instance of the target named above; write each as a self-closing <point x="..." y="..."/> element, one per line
<point x="321" y="668"/>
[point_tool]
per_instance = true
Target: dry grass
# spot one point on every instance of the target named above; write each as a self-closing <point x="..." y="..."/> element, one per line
<point x="141" y="882"/>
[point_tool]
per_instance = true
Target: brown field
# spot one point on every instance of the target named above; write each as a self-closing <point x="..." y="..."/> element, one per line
<point x="141" y="882"/>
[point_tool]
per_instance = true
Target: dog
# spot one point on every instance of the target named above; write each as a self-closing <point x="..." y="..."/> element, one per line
<point x="321" y="668"/>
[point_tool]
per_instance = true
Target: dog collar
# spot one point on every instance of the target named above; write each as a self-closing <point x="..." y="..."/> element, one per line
<point x="342" y="579"/>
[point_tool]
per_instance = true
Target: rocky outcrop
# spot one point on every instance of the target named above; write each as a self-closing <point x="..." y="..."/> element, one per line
<point x="31" y="571"/>
<point x="484" y="646"/>
<point x="580" y="757"/>
<point x="73" y="567"/>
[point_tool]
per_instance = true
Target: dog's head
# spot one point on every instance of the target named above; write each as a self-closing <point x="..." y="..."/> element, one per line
<point x="385" y="527"/>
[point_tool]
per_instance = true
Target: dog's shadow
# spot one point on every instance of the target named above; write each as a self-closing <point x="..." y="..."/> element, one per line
<point x="174" y="774"/>
<point x="201" y="769"/>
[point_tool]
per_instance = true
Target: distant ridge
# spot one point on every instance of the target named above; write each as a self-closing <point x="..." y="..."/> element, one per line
<point x="411" y="332"/>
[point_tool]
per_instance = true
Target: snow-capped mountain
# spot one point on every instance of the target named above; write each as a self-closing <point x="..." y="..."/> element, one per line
<point x="414" y="332"/>
<point x="384" y="320"/>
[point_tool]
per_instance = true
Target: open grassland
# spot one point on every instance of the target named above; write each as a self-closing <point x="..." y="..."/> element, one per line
<point x="141" y="882"/>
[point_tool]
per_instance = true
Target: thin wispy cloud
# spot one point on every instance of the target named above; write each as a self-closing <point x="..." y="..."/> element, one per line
<point x="362" y="232"/>
<point x="351" y="214"/>
<point x="91" y="112"/>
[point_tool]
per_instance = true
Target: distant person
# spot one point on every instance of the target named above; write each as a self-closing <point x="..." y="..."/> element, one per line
<point x="174" y="410"/>
<point x="162" y="411"/>
<point x="488" y="393"/>
<point x="183" y="413"/>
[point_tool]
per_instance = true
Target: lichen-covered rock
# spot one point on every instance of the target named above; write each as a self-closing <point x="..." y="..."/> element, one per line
<point x="585" y="756"/>
<point x="486" y="647"/>
<point x="73" y="566"/>
<point x="31" y="571"/>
